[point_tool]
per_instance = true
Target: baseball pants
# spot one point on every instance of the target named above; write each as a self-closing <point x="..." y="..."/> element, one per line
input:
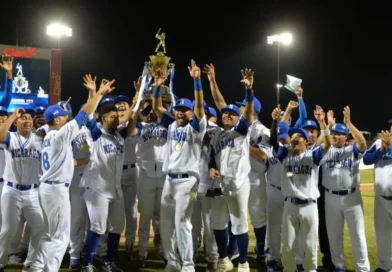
<point x="21" y="241"/>
<point x="129" y="188"/>
<point x="349" y="208"/>
<point x="56" y="208"/>
<point x="78" y="218"/>
<point x="178" y="198"/>
<point x="16" y="204"/>
<point x="275" y="203"/>
<point x="202" y="210"/>
<point x="257" y="200"/>
<point x="149" y="194"/>
<point x="383" y="228"/>
<point x="297" y="220"/>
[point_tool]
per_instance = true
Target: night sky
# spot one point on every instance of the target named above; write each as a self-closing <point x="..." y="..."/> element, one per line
<point x="342" y="52"/>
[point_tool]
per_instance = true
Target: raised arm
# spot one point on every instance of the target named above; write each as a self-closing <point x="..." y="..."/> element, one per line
<point x="157" y="105"/>
<point x="5" y="128"/>
<point x="247" y="80"/>
<point x="360" y="141"/>
<point x="91" y="105"/>
<point x="274" y="128"/>
<point x="195" y="73"/>
<point x="6" y="65"/>
<point x="216" y="94"/>
<point x="90" y="84"/>
<point x="319" y="115"/>
<point x="131" y="128"/>
<point x="302" y="108"/>
<point x="291" y="106"/>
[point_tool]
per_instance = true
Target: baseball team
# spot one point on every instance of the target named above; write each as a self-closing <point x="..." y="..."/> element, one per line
<point x="73" y="183"/>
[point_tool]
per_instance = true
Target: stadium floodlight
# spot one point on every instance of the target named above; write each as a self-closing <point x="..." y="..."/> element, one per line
<point x="58" y="31"/>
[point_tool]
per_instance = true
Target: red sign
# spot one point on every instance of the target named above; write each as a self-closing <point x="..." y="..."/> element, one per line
<point x="30" y="52"/>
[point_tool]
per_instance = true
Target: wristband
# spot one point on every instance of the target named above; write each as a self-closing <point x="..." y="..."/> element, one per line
<point x="325" y="132"/>
<point x="197" y="84"/>
<point x="249" y="96"/>
<point x="157" y="92"/>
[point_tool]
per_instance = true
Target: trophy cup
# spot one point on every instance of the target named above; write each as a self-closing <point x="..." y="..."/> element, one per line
<point x="162" y="62"/>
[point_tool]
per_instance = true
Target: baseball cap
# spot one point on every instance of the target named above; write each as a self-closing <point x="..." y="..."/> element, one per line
<point x="67" y="104"/>
<point x="283" y="129"/>
<point x="4" y="110"/>
<point x="39" y="110"/>
<point x="232" y="108"/>
<point x="340" y="128"/>
<point x="183" y="103"/>
<point x="106" y="100"/>
<point x="212" y="111"/>
<point x="309" y="124"/>
<point x="256" y="104"/>
<point x="54" y="111"/>
<point x="30" y="111"/>
<point x="122" y="98"/>
<point x="301" y="131"/>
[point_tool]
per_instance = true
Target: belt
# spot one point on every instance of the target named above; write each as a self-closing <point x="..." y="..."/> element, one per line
<point x="21" y="187"/>
<point x="387" y="197"/>
<point x="52" y="182"/>
<point x="298" y="201"/>
<point x="277" y="187"/>
<point x="341" y="192"/>
<point x="129" y="166"/>
<point x="178" y="176"/>
<point x="1" y="179"/>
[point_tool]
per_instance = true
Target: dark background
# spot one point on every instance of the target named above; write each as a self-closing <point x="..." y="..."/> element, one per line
<point x="342" y="52"/>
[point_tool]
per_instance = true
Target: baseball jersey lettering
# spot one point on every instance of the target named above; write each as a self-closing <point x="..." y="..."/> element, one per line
<point x="111" y="148"/>
<point x="299" y="169"/>
<point x="179" y="136"/>
<point x="25" y="153"/>
<point x="46" y="143"/>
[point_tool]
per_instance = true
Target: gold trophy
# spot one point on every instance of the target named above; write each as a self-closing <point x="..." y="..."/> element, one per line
<point x="160" y="61"/>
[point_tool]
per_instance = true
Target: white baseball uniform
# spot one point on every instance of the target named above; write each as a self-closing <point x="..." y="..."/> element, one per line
<point x="299" y="183"/>
<point x="58" y="169"/>
<point x="20" y="195"/>
<point x="343" y="201"/>
<point x="382" y="202"/>
<point x="150" y="152"/>
<point x="183" y="151"/>
<point x="2" y="166"/>
<point x="80" y="150"/>
<point x="202" y="207"/>
<point x="275" y="203"/>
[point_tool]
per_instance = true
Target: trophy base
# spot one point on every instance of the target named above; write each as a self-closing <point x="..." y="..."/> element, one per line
<point x="166" y="97"/>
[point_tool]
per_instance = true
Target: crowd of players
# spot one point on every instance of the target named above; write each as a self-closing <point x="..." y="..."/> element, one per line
<point x="174" y="165"/>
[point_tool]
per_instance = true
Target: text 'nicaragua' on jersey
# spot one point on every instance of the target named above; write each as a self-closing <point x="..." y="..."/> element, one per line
<point x="22" y="158"/>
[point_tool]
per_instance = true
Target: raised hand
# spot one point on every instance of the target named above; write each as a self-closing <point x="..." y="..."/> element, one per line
<point x="331" y="119"/>
<point x="276" y="113"/>
<point x="247" y="77"/>
<point x="160" y="78"/>
<point x="210" y="71"/>
<point x="299" y="91"/>
<point x="6" y="64"/>
<point x="347" y="115"/>
<point x="319" y="114"/>
<point x="194" y="70"/>
<point x="106" y="87"/>
<point x="292" y="105"/>
<point x="18" y="112"/>
<point x="89" y="83"/>
<point x="137" y="84"/>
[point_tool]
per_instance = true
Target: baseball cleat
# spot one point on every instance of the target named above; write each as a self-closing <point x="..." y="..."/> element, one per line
<point x="211" y="266"/>
<point x="110" y="267"/>
<point x="74" y="264"/>
<point x="157" y="240"/>
<point x="224" y="265"/>
<point x="140" y="262"/>
<point x="88" y="268"/>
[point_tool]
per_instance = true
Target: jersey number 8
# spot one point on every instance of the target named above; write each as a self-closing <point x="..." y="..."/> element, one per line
<point x="45" y="161"/>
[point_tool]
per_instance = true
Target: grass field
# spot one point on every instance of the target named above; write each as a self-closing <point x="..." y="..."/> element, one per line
<point x="154" y="264"/>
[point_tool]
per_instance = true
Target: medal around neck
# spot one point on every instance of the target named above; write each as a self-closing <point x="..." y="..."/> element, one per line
<point x="178" y="146"/>
<point x="289" y="174"/>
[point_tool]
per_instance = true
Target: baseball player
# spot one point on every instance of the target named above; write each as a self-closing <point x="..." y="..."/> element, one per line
<point x="58" y="167"/>
<point x="185" y="137"/>
<point x="20" y="195"/>
<point x="275" y="199"/>
<point x="343" y="201"/>
<point x="6" y="65"/>
<point x="380" y="154"/>
<point x="3" y="118"/>
<point x="299" y="187"/>
<point x="230" y="164"/>
<point x="39" y="120"/>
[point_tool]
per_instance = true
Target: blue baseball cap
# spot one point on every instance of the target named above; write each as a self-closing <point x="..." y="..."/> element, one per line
<point x="256" y="104"/>
<point x="67" y="104"/>
<point x="232" y="108"/>
<point x="183" y="103"/>
<point x="30" y="111"/>
<point x="40" y="110"/>
<point x="106" y="100"/>
<point x="122" y="98"/>
<point x="309" y="124"/>
<point x="301" y="131"/>
<point x="55" y="111"/>
<point x="4" y="110"/>
<point x="283" y="130"/>
<point x="340" y="128"/>
<point x="212" y="112"/>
